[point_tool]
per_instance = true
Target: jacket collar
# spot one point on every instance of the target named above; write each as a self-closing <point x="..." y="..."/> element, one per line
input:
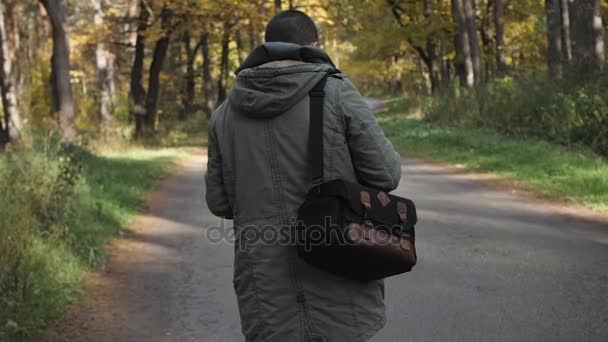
<point x="278" y="51"/>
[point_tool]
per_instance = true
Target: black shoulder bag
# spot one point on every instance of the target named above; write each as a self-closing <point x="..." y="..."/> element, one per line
<point x="351" y="230"/>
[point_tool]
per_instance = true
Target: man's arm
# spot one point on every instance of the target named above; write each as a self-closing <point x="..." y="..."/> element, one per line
<point x="216" y="196"/>
<point x="375" y="160"/>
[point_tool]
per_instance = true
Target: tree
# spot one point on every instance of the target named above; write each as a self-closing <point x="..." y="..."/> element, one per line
<point x="566" y="41"/>
<point x="499" y="27"/>
<point x="471" y="25"/>
<point x="137" y="92"/>
<point x="207" y="80"/>
<point x="587" y="35"/>
<point x="554" y="37"/>
<point x="9" y="98"/>
<point x="63" y="99"/>
<point x="224" y="65"/>
<point x="426" y="44"/>
<point x="190" y="79"/>
<point x="106" y="77"/>
<point x="158" y="58"/>
<point x="464" y="58"/>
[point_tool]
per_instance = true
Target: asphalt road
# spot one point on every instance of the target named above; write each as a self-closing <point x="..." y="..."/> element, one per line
<point x="493" y="267"/>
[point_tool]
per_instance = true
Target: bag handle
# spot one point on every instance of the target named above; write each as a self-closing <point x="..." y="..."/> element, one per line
<point x="315" y="132"/>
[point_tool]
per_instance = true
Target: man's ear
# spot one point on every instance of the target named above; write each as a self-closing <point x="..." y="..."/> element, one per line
<point x="314" y="44"/>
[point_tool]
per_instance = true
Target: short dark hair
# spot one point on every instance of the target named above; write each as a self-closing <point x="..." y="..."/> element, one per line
<point x="292" y="26"/>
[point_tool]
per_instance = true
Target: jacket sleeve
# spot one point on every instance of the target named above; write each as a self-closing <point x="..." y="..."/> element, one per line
<point x="375" y="160"/>
<point x="216" y="195"/>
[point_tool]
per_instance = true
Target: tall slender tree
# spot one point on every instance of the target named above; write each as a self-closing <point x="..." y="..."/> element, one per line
<point x="464" y="58"/>
<point x="222" y="81"/>
<point x="587" y="36"/>
<point x="7" y="89"/>
<point x="207" y="79"/>
<point x="190" y="79"/>
<point x="62" y="96"/>
<point x="471" y="25"/>
<point x="499" y="28"/>
<point x="137" y="92"/>
<point x="566" y="40"/>
<point x="158" y="59"/>
<point x="106" y="78"/>
<point x="599" y="49"/>
<point x="554" y="37"/>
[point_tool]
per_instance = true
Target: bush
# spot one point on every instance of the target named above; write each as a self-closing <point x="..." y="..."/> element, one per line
<point x="59" y="206"/>
<point x="41" y="197"/>
<point x="558" y="111"/>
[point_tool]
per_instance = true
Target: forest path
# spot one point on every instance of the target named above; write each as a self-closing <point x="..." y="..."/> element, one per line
<point x="494" y="266"/>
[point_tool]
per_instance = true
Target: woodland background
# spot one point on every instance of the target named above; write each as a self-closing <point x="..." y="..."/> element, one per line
<point x="90" y="68"/>
<point x="96" y="93"/>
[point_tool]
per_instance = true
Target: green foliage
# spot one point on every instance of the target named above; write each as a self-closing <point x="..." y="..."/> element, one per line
<point x="551" y="170"/>
<point x="59" y="205"/>
<point x="562" y="112"/>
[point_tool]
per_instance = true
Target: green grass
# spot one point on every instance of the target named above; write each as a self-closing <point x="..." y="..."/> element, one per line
<point x="48" y="246"/>
<point x="551" y="170"/>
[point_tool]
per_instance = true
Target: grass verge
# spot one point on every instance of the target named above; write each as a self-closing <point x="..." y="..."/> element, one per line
<point x="57" y="212"/>
<point x="550" y="170"/>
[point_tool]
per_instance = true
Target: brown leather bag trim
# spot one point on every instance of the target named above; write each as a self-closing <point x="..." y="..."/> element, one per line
<point x="383" y="198"/>
<point x="406" y="244"/>
<point x="366" y="199"/>
<point x="402" y="208"/>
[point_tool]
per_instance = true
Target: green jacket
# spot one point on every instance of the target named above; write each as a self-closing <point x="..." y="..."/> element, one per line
<point x="258" y="173"/>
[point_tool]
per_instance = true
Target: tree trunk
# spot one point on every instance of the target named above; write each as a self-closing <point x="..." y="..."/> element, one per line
<point x="463" y="48"/>
<point x="434" y="67"/>
<point x="566" y="40"/>
<point x="63" y="99"/>
<point x="587" y="36"/>
<point x="486" y="39"/>
<point x="105" y="71"/>
<point x="396" y="87"/>
<point x="469" y="8"/>
<point x="190" y="81"/>
<point x="137" y="91"/>
<point x="207" y="81"/>
<point x="427" y="8"/>
<point x="17" y="77"/>
<point x="499" y="23"/>
<point x="554" y="53"/>
<point x="223" y="78"/>
<point x="240" y="49"/>
<point x="598" y="36"/>
<point x="432" y="52"/>
<point x="133" y="21"/>
<point x="7" y="88"/>
<point x="253" y="41"/>
<point x="158" y="59"/>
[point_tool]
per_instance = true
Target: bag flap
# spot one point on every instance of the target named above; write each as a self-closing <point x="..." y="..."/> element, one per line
<point x="376" y="204"/>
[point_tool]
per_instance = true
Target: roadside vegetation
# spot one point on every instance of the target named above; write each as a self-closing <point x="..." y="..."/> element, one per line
<point x="569" y="171"/>
<point x="59" y="205"/>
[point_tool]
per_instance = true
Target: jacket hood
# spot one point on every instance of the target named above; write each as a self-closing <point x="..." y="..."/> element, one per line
<point x="275" y="77"/>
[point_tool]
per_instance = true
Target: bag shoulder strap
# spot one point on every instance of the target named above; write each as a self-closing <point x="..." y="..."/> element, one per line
<point x="315" y="132"/>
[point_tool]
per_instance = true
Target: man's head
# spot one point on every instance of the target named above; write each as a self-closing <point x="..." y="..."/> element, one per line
<point x="292" y="27"/>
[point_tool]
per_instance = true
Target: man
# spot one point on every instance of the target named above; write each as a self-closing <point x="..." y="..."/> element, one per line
<point x="258" y="174"/>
